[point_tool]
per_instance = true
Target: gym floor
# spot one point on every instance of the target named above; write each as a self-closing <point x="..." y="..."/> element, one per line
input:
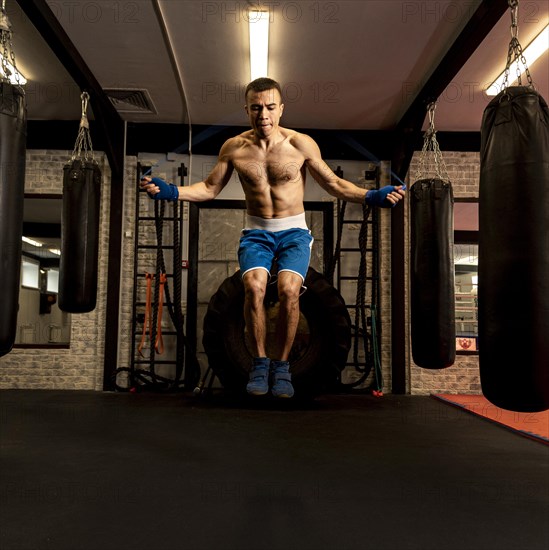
<point x="101" y="471"/>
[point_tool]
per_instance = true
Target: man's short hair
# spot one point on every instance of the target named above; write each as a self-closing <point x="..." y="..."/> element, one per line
<point x="261" y="85"/>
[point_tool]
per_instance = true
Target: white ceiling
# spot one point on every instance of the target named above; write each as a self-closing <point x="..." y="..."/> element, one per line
<point x="345" y="64"/>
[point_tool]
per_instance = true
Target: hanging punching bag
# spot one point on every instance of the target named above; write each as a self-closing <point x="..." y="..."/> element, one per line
<point x="432" y="274"/>
<point x="79" y="236"/>
<point x="12" y="188"/>
<point x="514" y="251"/>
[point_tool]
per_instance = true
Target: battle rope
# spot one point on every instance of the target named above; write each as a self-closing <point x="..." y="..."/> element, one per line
<point x="337" y="252"/>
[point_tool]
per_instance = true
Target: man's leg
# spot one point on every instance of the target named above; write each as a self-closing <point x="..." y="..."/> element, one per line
<point x="255" y="283"/>
<point x="294" y="254"/>
<point x="289" y="289"/>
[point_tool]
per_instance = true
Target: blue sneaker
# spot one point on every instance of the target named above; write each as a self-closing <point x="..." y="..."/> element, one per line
<point x="281" y="380"/>
<point x="259" y="376"/>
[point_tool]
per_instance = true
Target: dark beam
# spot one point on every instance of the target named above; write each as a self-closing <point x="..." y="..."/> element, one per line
<point x="114" y="271"/>
<point x="408" y="131"/>
<point x="113" y="130"/>
<point x="107" y="118"/>
<point x="407" y="138"/>
<point x="39" y="229"/>
<point x="162" y="137"/>
<point x="49" y="262"/>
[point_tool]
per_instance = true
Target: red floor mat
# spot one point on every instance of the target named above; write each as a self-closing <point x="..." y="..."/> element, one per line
<point x="533" y="425"/>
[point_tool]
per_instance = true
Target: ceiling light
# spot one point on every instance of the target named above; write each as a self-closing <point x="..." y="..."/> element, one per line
<point x="14" y="76"/>
<point x="535" y="49"/>
<point x="258" y="22"/>
<point x="55" y="251"/>
<point x="32" y="242"/>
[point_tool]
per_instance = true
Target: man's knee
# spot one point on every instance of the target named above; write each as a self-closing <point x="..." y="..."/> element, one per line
<point x="289" y="286"/>
<point x="255" y="284"/>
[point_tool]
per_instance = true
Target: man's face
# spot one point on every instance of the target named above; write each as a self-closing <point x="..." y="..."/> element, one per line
<point x="264" y="111"/>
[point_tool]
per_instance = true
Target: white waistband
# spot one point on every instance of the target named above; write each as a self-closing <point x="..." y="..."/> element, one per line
<point x="276" y="224"/>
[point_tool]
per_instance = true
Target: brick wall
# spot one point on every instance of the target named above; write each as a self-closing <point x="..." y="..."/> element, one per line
<point x="80" y="366"/>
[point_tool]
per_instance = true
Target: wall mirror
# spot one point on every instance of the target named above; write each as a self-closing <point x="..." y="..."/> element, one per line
<point x="466" y="274"/>
<point x="40" y="322"/>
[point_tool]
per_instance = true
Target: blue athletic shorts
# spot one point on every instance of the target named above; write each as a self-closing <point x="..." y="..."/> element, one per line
<point x="291" y="248"/>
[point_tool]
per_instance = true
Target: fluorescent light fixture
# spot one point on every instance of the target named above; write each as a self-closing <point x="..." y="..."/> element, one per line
<point x="31" y="242"/>
<point x="258" y="22"/>
<point x="55" y="251"/>
<point x="13" y="73"/>
<point x="535" y="49"/>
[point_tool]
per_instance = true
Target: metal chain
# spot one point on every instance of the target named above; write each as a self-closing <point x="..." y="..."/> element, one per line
<point x="8" y="52"/>
<point x="5" y="31"/>
<point x="4" y="54"/>
<point x="513" y="5"/>
<point x="430" y="145"/>
<point x="13" y="62"/>
<point x="515" y="53"/>
<point x="83" y="148"/>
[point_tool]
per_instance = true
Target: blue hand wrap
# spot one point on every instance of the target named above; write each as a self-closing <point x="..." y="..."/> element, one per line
<point x="168" y="191"/>
<point x="378" y="197"/>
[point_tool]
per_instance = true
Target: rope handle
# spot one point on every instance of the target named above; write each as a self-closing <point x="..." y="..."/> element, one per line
<point x="84" y="118"/>
<point x="83" y="148"/>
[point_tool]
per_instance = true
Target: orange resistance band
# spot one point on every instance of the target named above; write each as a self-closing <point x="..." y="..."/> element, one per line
<point x="159" y="344"/>
<point x="149" y="277"/>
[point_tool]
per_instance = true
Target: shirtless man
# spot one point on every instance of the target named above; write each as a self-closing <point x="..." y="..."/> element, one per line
<point x="271" y="162"/>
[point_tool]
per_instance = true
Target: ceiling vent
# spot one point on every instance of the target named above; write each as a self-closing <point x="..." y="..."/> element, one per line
<point x="131" y="101"/>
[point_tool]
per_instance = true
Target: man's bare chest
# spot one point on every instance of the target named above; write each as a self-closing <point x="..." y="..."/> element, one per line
<point x="272" y="168"/>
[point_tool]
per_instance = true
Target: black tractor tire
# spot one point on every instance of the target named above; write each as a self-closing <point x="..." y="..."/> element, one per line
<point x="320" y="349"/>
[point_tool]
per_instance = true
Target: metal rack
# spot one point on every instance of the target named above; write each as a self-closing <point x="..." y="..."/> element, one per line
<point x="372" y="280"/>
<point x="147" y="254"/>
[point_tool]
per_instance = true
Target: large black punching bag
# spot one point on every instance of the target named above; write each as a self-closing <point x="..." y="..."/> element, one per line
<point x="79" y="236"/>
<point x="514" y="251"/>
<point x="12" y="189"/>
<point x="432" y="274"/>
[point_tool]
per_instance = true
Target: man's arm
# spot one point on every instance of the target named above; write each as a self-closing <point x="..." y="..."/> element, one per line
<point x="197" y="192"/>
<point x="340" y="188"/>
